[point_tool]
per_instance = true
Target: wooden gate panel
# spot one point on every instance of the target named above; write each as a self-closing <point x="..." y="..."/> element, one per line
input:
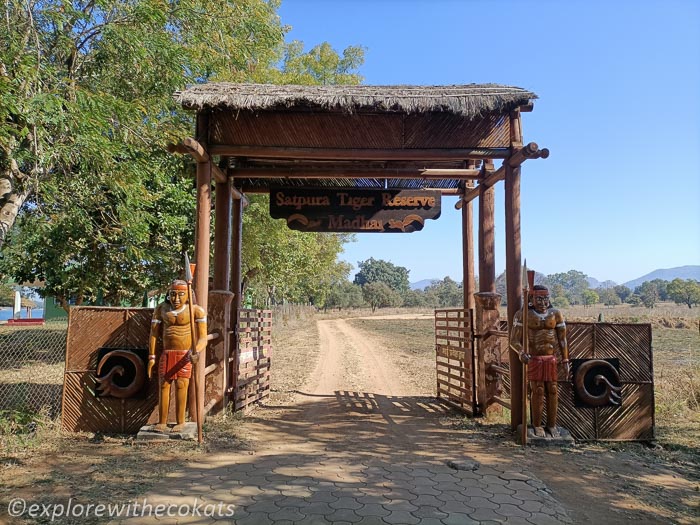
<point x="454" y="355"/>
<point x="634" y="420"/>
<point x="631" y="344"/>
<point x="253" y="358"/>
<point x="89" y="329"/>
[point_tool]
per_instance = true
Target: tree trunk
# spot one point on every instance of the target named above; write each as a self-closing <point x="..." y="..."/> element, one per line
<point x="10" y="203"/>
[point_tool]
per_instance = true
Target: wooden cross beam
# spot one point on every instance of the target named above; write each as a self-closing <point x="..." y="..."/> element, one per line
<point x="530" y="151"/>
<point x="191" y="147"/>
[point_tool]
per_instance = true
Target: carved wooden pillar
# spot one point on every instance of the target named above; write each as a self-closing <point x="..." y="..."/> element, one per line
<point x="513" y="266"/>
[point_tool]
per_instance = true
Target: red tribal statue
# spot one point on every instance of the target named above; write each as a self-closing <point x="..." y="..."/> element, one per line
<point x="173" y="324"/>
<point x="546" y="335"/>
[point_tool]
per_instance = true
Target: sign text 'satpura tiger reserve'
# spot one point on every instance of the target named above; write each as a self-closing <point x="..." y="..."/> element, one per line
<point x="354" y="210"/>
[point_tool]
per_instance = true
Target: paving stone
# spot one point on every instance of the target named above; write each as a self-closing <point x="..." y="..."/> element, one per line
<point x="343" y="515"/>
<point x="498" y="489"/>
<point x="401" y="517"/>
<point x="422" y="472"/>
<point x="396" y="495"/>
<point x="506" y="509"/>
<point x="520" y="485"/>
<point x="295" y="492"/>
<point x="371" y="520"/>
<point x="398" y="475"/>
<point x="428" y="511"/>
<point x="494" y="480"/>
<point x="531" y="506"/>
<point x="373" y="509"/>
<point x="444" y="486"/>
<point x="287" y="513"/>
<point x="459" y="519"/>
<point x="459" y="507"/>
<point x="516" y="520"/>
<point x="442" y="477"/>
<point x="423" y="480"/>
<point x="476" y="492"/>
<point x="505" y="499"/>
<point x="424" y="490"/>
<point x="450" y="495"/>
<point x="291" y="501"/>
<point x="425" y="499"/>
<point x="317" y="507"/>
<point x="267" y="506"/>
<point x="313" y="519"/>
<point x="481" y="503"/>
<point x="526" y="495"/>
<point x="346" y="503"/>
<point x="484" y="514"/>
<point x="254" y="518"/>
<point x="399" y="505"/>
<point x="538" y="518"/>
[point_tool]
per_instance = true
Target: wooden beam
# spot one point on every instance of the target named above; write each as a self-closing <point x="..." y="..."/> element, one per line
<point x="529" y="151"/>
<point x="468" y="287"/>
<point x="282" y="173"/>
<point x="272" y="152"/>
<point x="191" y="147"/>
<point x="487" y="239"/>
<point x="489" y="180"/>
<point x="222" y="236"/>
<point x="264" y="190"/>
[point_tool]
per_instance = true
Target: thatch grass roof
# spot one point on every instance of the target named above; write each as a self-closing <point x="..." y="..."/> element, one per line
<point x="468" y="100"/>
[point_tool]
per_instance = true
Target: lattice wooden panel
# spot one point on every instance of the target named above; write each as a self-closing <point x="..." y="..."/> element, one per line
<point x="89" y="329"/>
<point x="454" y="357"/>
<point x="254" y="358"/>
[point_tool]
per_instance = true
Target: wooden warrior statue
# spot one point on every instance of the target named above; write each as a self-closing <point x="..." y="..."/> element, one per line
<point x="174" y="324"/>
<point x="545" y="330"/>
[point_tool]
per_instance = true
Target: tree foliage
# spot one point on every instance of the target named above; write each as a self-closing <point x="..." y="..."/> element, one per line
<point x="86" y="112"/>
<point x="684" y="292"/>
<point x="569" y="284"/>
<point x="378" y="294"/>
<point x="377" y="270"/>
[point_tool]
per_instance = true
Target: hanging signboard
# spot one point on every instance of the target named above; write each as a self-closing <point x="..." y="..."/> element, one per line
<point x="354" y="210"/>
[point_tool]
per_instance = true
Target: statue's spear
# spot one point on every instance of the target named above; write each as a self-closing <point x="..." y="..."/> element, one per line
<point x="189" y="270"/>
<point x="525" y="350"/>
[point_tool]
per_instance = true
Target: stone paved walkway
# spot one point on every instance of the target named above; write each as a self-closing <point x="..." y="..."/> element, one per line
<point x="356" y="458"/>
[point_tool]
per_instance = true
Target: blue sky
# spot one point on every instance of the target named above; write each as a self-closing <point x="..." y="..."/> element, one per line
<point x="619" y="109"/>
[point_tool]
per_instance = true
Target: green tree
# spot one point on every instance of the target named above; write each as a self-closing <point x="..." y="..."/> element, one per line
<point x="379" y="295"/>
<point x="648" y="293"/>
<point x="573" y="283"/>
<point x="414" y="298"/>
<point x="448" y="293"/>
<point x="608" y="296"/>
<point x="320" y="65"/>
<point x="623" y="292"/>
<point x="86" y="113"/>
<point x="589" y="297"/>
<point x="7" y="295"/>
<point x="684" y="291"/>
<point x="377" y="270"/>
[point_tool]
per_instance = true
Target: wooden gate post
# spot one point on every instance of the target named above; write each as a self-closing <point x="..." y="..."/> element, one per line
<point x="514" y="277"/>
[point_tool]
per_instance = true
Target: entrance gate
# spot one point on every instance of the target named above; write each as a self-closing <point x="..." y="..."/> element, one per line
<point x="322" y="150"/>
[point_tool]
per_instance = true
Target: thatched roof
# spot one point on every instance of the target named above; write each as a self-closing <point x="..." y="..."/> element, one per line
<point x="467" y="100"/>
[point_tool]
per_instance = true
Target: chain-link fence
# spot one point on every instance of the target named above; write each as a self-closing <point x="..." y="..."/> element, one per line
<point x="31" y="366"/>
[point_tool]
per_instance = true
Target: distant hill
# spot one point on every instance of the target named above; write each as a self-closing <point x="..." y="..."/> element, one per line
<point x="595" y="283"/>
<point x="667" y="274"/>
<point x="422" y="285"/>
